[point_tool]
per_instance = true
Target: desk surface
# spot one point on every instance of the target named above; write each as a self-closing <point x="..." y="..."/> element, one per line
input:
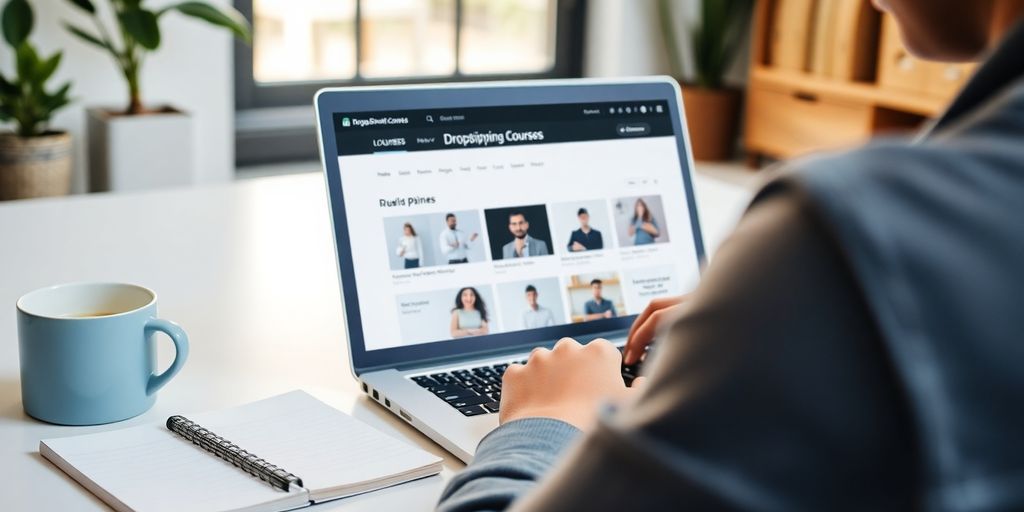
<point x="248" y="270"/>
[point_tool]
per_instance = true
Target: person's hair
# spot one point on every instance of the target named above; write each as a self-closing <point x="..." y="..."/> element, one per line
<point x="513" y="213"/>
<point x="449" y="216"/>
<point x="595" y="281"/>
<point x="480" y="306"/>
<point x="411" y="229"/>
<point x="531" y="288"/>
<point x="647" y="211"/>
<point x="582" y="211"/>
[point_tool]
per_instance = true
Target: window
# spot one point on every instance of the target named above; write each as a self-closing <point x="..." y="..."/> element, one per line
<point x="300" y="46"/>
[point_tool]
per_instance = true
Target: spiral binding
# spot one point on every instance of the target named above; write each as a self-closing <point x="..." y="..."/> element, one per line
<point x="242" y="459"/>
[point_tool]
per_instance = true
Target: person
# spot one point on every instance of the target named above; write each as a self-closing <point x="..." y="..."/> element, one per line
<point x="585" y="238"/>
<point x="598" y="307"/>
<point x="469" y="316"/>
<point x="409" y="247"/>
<point x="535" y="315"/>
<point x="453" y="242"/>
<point x="854" y="345"/>
<point x="642" y="227"/>
<point x="522" y="245"/>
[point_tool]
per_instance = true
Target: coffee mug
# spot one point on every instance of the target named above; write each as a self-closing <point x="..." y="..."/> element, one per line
<point x="88" y="353"/>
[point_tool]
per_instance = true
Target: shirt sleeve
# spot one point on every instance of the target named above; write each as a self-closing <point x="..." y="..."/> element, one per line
<point x="443" y="242"/>
<point x="770" y="391"/>
<point x="508" y="463"/>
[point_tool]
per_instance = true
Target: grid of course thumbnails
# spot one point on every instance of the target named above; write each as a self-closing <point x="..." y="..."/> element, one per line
<point x="513" y="236"/>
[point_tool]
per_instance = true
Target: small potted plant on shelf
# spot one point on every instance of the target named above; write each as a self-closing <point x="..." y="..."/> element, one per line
<point x="711" y="106"/>
<point x="35" y="161"/>
<point x="140" y="146"/>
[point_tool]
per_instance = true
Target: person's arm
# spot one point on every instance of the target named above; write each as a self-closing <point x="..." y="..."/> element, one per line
<point x="419" y="248"/>
<point x="483" y="328"/>
<point x="651" y="228"/>
<point x="446" y="247"/>
<point x="456" y="332"/>
<point x="598" y="240"/>
<point x="771" y="391"/>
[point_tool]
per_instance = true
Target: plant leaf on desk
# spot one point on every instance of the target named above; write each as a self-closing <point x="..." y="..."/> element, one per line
<point x="85" y="5"/>
<point x="17" y="22"/>
<point x="141" y="25"/>
<point x="228" y="18"/>
<point x="86" y="36"/>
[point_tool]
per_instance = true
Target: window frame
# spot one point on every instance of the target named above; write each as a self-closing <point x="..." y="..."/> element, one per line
<point x="569" y="38"/>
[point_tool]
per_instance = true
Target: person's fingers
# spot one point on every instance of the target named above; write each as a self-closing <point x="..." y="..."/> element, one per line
<point x="565" y="343"/>
<point x="643" y="330"/>
<point x="605" y="348"/>
<point x="536" y="355"/>
<point x="642" y="337"/>
<point x="652" y="306"/>
<point x="639" y="384"/>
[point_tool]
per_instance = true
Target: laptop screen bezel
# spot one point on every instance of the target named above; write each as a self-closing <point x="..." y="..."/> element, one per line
<point x="508" y="94"/>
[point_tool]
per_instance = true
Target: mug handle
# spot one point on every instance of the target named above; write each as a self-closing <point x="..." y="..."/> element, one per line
<point x="180" y="339"/>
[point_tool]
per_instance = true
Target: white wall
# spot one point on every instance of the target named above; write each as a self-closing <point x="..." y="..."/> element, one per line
<point x="623" y="38"/>
<point x="192" y="70"/>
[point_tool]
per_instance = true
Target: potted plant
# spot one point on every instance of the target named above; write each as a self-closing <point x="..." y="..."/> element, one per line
<point x="711" y="106"/>
<point x="35" y="161"/>
<point x="140" y="146"/>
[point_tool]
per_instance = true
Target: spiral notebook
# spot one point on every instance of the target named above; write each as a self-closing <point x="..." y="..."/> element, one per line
<point x="277" y="454"/>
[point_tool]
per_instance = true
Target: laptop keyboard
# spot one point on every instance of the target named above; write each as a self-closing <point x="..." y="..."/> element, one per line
<point x="473" y="391"/>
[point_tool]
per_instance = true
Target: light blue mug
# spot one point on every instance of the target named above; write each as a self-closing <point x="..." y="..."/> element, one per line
<point x="88" y="355"/>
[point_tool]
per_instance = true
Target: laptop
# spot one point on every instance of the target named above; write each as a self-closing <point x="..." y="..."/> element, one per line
<point x="475" y="222"/>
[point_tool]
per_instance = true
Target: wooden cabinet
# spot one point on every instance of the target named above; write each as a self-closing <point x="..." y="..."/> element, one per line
<point x="796" y="120"/>
<point x="855" y="80"/>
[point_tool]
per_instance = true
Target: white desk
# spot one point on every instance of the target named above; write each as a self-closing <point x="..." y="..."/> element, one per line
<point x="248" y="270"/>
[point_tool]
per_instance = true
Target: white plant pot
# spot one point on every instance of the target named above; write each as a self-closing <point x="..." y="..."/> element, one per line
<point x="140" y="152"/>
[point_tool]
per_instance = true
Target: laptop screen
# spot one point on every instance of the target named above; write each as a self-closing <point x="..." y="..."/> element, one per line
<point x="465" y="223"/>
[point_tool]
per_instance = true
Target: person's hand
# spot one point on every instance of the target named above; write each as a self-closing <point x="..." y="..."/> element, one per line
<point x="567" y="383"/>
<point x="576" y="246"/>
<point x="520" y="245"/>
<point x="646" y="326"/>
<point x="608" y="314"/>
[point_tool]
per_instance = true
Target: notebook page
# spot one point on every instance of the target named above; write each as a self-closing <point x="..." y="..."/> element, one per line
<point x="324" y="447"/>
<point x="150" y="468"/>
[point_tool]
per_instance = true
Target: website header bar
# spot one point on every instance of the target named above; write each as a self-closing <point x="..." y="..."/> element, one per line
<point x="434" y="129"/>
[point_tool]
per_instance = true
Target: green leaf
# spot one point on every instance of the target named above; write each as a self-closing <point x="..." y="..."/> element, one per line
<point x="142" y="26"/>
<point x="86" y="36"/>
<point x="227" y="17"/>
<point x="57" y="100"/>
<point x="17" y="22"/>
<point x="85" y="5"/>
<point x="46" y="67"/>
<point x="28" y="61"/>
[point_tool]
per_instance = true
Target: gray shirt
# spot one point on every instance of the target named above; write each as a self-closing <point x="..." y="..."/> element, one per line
<point x="855" y="345"/>
<point x="533" y="247"/>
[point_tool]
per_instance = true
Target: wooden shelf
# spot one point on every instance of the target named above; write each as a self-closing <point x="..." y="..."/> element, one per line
<point x="864" y="82"/>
